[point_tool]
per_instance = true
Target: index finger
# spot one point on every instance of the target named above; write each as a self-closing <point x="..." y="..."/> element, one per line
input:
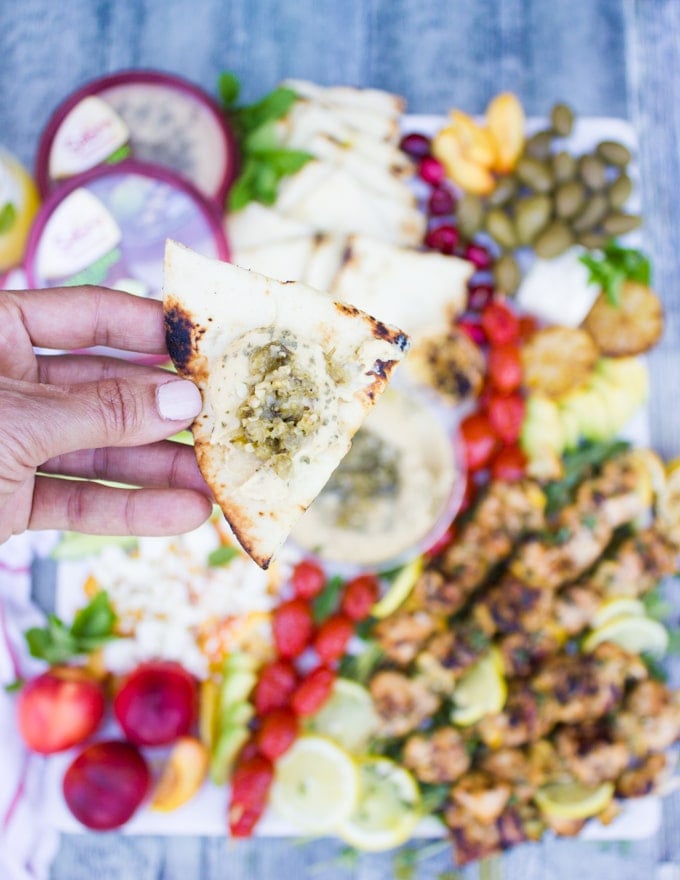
<point x="80" y="317"/>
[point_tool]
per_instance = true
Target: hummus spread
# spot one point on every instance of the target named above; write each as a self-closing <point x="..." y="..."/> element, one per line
<point x="392" y="493"/>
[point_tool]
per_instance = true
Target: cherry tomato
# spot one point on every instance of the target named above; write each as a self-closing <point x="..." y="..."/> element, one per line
<point x="293" y="626"/>
<point x="505" y="367"/>
<point x="307" y="579"/>
<point x="275" y="684"/>
<point x="313" y="691"/>
<point x="506" y="414"/>
<point x="479" y="440"/>
<point x="333" y="636"/>
<point x="528" y="325"/>
<point x="250" y="784"/>
<point x="500" y="324"/>
<point x="361" y="594"/>
<point x="278" y="731"/>
<point x="509" y="465"/>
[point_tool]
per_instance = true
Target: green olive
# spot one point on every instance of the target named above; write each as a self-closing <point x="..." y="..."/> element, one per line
<point x="505" y="189"/>
<point x="613" y="153"/>
<point x="593" y="171"/>
<point x="562" y="119"/>
<point x="470" y="215"/>
<point x="593" y="213"/>
<point x="539" y="145"/>
<point x="532" y="215"/>
<point x="501" y="228"/>
<point x="535" y="174"/>
<point x="506" y="274"/>
<point x="569" y="199"/>
<point x="618" y="223"/>
<point x="554" y="240"/>
<point x="565" y="166"/>
<point x="620" y="190"/>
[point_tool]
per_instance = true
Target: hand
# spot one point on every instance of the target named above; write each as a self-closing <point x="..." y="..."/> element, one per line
<point x="93" y="417"/>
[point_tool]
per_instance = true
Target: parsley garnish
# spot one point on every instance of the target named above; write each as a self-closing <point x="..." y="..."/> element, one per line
<point x="92" y="627"/>
<point x="615" y="265"/>
<point x="264" y="160"/>
<point x="222" y="555"/>
<point x="327" y="601"/>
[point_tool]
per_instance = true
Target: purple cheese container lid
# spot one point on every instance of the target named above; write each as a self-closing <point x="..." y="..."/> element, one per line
<point x="109" y="225"/>
<point x="171" y="122"/>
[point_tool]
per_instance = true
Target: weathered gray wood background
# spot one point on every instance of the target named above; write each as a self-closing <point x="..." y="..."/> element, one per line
<point x="607" y="57"/>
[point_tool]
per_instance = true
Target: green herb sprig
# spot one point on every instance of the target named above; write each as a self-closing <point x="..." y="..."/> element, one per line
<point x="92" y="627"/>
<point x="264" y="162"/>
<point x="614" y="265"/>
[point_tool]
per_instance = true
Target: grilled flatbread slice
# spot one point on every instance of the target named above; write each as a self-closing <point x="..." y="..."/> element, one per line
<point x="376" y="101"/>
<point x="257" y="224"/>
<point x="287" y="376"/>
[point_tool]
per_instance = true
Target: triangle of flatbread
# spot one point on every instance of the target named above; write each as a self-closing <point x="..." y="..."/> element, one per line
<point x="267" y="443"/>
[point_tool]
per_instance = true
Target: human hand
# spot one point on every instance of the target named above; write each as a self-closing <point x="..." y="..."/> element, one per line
<point x="93" y="417"/>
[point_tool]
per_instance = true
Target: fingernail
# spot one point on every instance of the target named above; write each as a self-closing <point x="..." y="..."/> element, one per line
<point x="178" y="401"/>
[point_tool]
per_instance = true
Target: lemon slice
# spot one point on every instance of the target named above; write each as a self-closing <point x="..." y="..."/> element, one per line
<point x="348" y="716"/>
<point x="634" y="633"/>
<point x="316" y="784"/>
<point x="571" y="800"/>
<point x="17" y="189"/>
<point x="618" y="607"/>
<point x="388" y="808"/>
<point x="481" y="691"/>
<point x="400" y="589"/>
<point x="652" y="473"/>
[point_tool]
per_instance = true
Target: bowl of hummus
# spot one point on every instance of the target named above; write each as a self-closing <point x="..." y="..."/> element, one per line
<point x="395" y="492"/>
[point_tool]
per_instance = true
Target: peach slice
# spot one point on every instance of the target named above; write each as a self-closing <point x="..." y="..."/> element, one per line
<point x="469" y="175"/>
<point x="182" y="775"/>
<point x="506" y="124"/>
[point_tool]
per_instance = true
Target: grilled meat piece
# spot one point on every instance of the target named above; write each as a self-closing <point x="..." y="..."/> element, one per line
<point x="438" y="757"/>
<point x="448" y="654"/>
<point x="591" y="753"/>
<point x="642" y="779"/>
<point x="402" y="635"/>
<point x="402" y="703"/>
<point x="649" y="720"/>
<point x="504" y="514"/>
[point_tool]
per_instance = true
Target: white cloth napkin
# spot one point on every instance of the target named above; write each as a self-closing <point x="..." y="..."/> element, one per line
<point x="27" y="843"/>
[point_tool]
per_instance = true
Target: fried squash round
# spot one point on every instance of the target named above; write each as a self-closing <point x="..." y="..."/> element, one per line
<point x="630" y="327"/>
<point x="557" y="359"/>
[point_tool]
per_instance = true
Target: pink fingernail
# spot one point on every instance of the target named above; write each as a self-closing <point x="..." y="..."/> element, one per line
<point x="178" y="401"/>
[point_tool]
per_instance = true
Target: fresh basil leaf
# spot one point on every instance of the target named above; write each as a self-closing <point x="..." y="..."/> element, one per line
<point x="273" y="106"/>
<point x="243" y="190"/>
<point x="8" y="214"/>
<point x="265" y="185"/>
<point x="229" y="88"/>
<point x="261" y="140"/>
<point x="615" y="264"/>
<point x="285" y="161"/>
<point x="53" y="643"/>
<point x="222" y="555"/>
<point x="327" y="601"/>
<point x="95" y="620"/>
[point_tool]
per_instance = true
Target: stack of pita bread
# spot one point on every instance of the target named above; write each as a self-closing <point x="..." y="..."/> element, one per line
<point x="349" y="222"/>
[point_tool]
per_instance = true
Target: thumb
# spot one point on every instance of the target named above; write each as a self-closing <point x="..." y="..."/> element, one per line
<point x="53" y="420"/>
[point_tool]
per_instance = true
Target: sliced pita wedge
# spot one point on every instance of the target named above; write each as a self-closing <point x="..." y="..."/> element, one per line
<point x="375" y="101"/>
<point x="257" y="224"/>
<point x="412" y="288"/>
<point x="287" y="376"/>
<point x="332" y="200"/>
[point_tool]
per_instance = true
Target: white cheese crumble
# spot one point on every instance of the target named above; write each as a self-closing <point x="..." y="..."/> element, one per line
<point x="167" y="597"/>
